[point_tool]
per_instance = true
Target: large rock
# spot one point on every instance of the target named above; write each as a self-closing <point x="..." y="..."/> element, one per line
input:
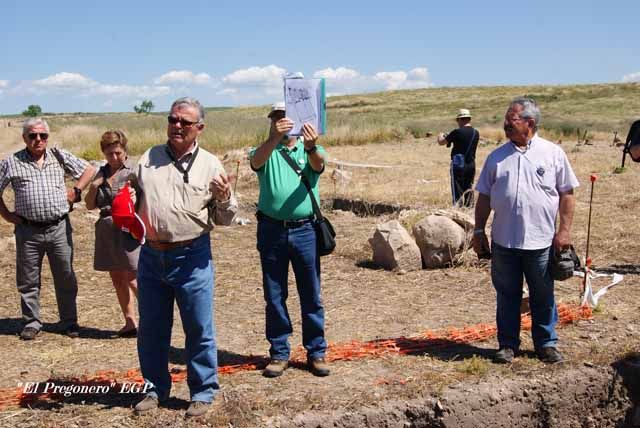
<point x="464" y="219"/>
<point x="439" y="239"/>
<point x="393" y="247"/>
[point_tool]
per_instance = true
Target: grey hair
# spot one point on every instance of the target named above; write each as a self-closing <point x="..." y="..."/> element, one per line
<point x="530" y="109"/>
<point x="34" y="121"/>
<point x="191" y="102"/>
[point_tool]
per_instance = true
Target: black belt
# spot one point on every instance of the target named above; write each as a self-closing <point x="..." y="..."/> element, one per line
<point x="43" y="223"/>
<point x="287" y="224"/>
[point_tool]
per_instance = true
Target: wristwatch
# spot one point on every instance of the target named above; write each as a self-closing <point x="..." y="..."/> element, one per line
<point x="78" y="192"/>
<point x="311" y="150"/>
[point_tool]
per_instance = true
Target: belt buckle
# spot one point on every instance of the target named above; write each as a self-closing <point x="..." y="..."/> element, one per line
<point x="289" y="223"/>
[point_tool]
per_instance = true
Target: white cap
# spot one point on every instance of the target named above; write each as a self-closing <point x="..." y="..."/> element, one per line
<point x="462" y="113"/>
<point x="279" y="106"/>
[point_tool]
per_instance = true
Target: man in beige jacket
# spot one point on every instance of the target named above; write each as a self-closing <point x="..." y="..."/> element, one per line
<point x="184" y="191"/>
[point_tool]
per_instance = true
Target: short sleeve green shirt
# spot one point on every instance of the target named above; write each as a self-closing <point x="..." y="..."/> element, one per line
<point x="283" y="195"/>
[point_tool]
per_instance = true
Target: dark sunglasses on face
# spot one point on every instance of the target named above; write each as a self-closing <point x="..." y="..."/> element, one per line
<point x="34" y="135"/>
<point x="183" y="123"/>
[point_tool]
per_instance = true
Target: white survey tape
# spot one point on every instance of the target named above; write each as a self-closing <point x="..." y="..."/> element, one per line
<point x="590" y="298"/>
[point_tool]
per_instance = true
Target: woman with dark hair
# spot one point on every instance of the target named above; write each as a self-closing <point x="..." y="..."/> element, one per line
<point x="115" y="251"/>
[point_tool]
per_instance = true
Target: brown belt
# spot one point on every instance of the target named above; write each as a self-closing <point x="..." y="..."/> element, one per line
<point x="166" y="246"/>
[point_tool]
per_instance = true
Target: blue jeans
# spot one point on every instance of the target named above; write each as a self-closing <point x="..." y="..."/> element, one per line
<point x="185" y="274"/>
<point x="507" y="268"/>
<point x="278" y="246"/>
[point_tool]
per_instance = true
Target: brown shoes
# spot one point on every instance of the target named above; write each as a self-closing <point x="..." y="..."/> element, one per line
<point x="72" y="331"/>
<point x="549" y="355"/>
<point x="504" y="356"/>
<point x="148" y="404"/>
<point x="318" y="367"/>
<point x="197" y="408"/>
<point x="29" y="333"/>
<point x="275" y="368"/>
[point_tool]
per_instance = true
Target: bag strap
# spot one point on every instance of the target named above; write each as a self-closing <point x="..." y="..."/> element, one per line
<point x="60" y="159"/>
<point x="178" y="165"/>
<point x="305" y="180"/>
<point x="473" y="136"/>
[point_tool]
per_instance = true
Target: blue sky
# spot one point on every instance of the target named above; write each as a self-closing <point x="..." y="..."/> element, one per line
<point x="72" y="56"/>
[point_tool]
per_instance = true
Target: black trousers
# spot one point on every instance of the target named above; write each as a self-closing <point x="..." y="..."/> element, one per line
<point x="461" y="181"/>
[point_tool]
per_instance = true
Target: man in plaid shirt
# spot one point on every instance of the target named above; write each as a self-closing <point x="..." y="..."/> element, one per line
<point x="42" y="226"/>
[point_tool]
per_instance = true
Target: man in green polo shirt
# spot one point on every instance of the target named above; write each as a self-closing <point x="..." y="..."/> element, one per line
<point x="286" y="234"/>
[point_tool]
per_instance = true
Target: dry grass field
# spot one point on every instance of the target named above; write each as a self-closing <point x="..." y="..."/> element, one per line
<point x="362" y="301"/>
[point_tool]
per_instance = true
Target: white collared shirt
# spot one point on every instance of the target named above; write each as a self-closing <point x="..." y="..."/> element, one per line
<point x="524" y="187"/>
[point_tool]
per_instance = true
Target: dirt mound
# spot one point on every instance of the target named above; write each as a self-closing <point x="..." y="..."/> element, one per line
<point x="586" y="397"/>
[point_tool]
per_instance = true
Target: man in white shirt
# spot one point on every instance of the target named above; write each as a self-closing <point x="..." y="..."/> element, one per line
<point x="526" y="182"/>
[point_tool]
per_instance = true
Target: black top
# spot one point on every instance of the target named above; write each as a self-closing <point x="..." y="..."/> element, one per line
<point x="633" y="138"/>
<point x="461" y="138"/>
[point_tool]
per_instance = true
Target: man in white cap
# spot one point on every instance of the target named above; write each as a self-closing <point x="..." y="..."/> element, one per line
<point x="463" y="157"/>
<point x="286" y="234"/>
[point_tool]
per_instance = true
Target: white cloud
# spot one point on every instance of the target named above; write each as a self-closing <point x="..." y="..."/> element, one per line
<point x="415" y="78"/>
<point x="228" y="91"/>
<point x="4" y="83"/>
<point x="183" y="77"/>
<point x="264" y="84"/>
<point x="129" y="91"/>
<point x="65" y="80"/>
<point x="83" y="86"/>
<point x="631" y="77"/>
<point x="340" y="73"/>
<point x="271" y="75"/>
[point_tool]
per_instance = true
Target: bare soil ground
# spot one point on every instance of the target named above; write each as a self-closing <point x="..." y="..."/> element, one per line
<point x="362" y="303"/>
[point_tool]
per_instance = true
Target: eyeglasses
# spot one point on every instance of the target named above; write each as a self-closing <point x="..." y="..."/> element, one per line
<point x="516" y="119"/>
<point x="43" y="135"/>
<point x="183" y="123"/>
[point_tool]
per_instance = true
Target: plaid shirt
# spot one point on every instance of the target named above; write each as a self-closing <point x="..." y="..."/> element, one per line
<point x="40" y="194"/>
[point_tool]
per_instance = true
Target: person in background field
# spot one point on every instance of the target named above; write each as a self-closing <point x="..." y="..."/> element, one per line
<point x="183" y="192"/>
<point x="286" y="234"/>
<point x="527" y="182"/>
<point x="116" y="251"/>
<point x="42" y="226"/>
<point x="465" y="142"/>
<point x="633" y="141"/>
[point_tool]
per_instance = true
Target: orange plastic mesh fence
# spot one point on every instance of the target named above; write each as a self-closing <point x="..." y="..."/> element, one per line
<point x="354" y="350"/>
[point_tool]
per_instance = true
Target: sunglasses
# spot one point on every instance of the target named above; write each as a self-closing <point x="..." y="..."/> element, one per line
<point x="34" y="135"/>
<point x="183" y="123"/>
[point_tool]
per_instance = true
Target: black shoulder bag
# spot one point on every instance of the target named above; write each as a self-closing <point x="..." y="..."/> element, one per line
<point x="324" y="230"/>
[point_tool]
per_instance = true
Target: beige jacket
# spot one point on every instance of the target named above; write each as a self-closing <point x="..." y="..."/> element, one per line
<point x="173" y="210"/>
